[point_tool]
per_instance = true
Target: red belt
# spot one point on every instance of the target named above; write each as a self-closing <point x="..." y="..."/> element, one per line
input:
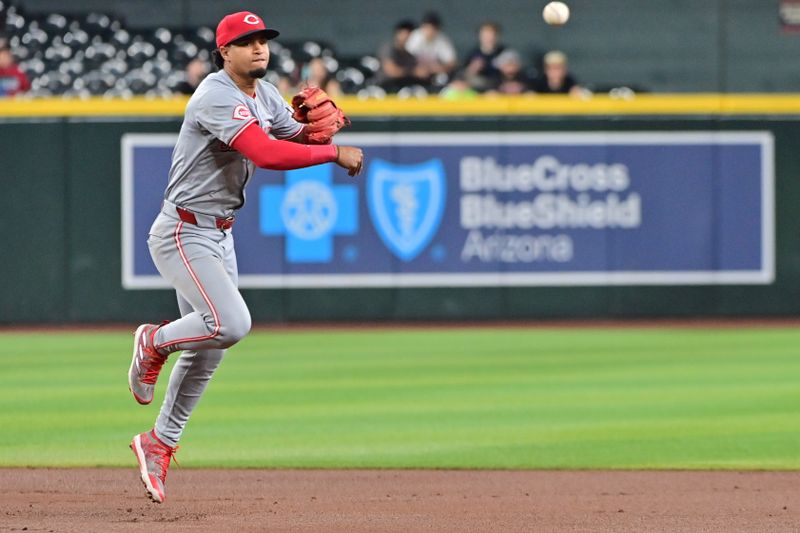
<point x="188" y="216"/>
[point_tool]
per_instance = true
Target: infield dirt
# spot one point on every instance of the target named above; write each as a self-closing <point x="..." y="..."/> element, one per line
<point x="401" y="500"/>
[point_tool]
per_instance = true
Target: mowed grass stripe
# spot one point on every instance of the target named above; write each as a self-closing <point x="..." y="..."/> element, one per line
<point x="485" y="398"/>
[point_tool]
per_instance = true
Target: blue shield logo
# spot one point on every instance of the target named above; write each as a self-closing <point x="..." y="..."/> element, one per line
<point x="406" y="203"/>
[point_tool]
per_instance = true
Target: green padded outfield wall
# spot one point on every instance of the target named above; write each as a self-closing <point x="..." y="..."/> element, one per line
<point x="60" y="213"/>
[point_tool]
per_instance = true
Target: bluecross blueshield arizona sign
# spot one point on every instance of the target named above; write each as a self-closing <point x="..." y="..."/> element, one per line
<point x="452" y="209"/>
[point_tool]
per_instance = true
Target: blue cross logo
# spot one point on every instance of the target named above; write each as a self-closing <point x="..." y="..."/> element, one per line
<point x="309" y="210"/>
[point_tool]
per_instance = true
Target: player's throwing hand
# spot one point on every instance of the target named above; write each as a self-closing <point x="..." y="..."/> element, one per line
<point x="350" y="158"/>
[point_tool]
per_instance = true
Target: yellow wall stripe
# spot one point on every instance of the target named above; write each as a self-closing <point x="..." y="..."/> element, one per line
<point x="524" y="105"/>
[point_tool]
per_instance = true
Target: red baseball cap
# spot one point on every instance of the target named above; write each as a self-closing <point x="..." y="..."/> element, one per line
<point x="241" y="24"/>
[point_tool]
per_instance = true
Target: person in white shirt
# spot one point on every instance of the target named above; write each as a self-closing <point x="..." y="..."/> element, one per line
<point x="433" y="49"/>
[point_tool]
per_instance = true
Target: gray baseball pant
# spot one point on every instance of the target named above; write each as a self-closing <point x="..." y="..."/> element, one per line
<point x="200" y="262"/>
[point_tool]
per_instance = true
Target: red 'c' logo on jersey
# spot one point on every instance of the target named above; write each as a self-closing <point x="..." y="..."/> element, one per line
<point x="240" y="112"/>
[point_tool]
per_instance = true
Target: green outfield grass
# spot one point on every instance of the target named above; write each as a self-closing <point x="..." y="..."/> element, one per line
<point x="488" y="398"/>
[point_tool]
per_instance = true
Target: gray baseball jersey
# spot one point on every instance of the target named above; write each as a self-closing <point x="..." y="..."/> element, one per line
<point x="207" y="176"/>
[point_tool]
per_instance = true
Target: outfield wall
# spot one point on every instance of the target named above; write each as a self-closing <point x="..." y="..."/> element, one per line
<point x="63" y="204"/>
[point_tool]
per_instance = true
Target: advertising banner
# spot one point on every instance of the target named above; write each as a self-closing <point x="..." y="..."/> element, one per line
<point x="491" y="209"/>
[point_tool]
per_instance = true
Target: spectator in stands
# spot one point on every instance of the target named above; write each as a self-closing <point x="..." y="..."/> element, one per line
<point x="196" y="71"/>
<point x="458" y="89"/>
<point x="512" y="79"/>
<point x="555" y="78"/>
<point x="315" y="74"/>
<point x="12" y="80"/>
<point x="399" y="68"/>
<point x="286" y="87"/>
<point x="431" y="47"/>
<point x="480" y="71"/>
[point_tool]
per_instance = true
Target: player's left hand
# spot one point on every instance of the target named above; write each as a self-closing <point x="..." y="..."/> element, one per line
<point x="313" y="107"/>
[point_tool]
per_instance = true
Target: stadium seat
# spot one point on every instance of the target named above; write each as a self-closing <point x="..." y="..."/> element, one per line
<point x="96" y="54"/>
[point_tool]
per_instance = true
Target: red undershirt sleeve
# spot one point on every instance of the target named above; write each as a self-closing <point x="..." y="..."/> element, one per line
<point x="272" y="154"/>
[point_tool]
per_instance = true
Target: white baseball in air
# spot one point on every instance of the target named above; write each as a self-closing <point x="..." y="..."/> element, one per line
<point x="556" y="13"/>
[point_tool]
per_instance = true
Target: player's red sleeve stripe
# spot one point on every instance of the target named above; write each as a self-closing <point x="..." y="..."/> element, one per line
<point x="210" y="305"/>
<point x="239" y="132"/>
<point x="273" y="154"/>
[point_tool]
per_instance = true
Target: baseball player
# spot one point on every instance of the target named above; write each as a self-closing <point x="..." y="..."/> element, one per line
<point x="233" y="123"/>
